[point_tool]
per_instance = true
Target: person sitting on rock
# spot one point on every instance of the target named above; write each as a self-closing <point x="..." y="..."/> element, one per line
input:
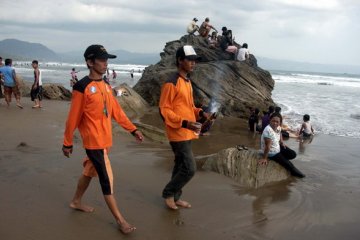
<point x="243" y="53"/>
<point x="227" y="43"/>
<point x="205" y="28"/>
<point x="192" y="27"/>
<point x="273" y="147"/>
<point x="213" y="43"/>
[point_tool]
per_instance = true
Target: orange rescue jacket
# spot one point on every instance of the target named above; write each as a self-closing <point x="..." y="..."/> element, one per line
<point x="92" y="108"/>
<point x="177" y="107"/>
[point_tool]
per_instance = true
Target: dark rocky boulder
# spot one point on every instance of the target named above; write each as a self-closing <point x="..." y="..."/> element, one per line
<point x="132" y="103"/>
<point x="234" y="85"/>
<point x="243" y="167"/>
<point x="50" y="90"/>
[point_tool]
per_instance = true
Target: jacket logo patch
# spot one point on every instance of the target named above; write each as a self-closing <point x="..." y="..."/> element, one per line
<point x="93" y="89"/>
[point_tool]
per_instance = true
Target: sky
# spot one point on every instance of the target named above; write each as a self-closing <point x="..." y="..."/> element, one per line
<point x="318" y="31"/>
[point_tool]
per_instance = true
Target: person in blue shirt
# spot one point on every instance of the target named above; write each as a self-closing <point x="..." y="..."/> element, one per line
<point x="10" y="83"/>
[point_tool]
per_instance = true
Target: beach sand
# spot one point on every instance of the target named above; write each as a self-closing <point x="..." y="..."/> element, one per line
<point x="37" y="182"/>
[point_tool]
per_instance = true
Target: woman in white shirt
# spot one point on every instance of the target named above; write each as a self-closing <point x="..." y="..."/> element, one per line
<point x="273" y="147"/>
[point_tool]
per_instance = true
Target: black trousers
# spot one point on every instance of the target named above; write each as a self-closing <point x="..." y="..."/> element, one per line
<point x="183" y="170"/>
<point x="283" y="158"/>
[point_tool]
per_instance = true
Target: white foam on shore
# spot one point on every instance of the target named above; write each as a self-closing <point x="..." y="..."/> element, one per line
<point x="331" y="107"/>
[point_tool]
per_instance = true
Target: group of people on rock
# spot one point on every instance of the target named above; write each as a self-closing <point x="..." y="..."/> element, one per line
<point x="9" y="80"/>
<point x="225" y="41"/>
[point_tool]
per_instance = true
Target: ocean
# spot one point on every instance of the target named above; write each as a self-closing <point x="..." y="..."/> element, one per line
<point x="331" y="100"/>
<point x="57" y="72"/>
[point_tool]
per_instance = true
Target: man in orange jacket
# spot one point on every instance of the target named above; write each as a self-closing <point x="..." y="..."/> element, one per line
<point x="180" y="114"/>
<point x="92" y="108"/>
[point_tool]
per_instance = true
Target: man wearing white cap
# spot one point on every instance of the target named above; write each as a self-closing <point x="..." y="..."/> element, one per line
<point x="179" y="113"/>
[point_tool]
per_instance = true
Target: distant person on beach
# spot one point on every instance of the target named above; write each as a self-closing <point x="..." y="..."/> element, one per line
<point x="306" y="129"/>
<point x="254" y="121"/>
<point x="243" y="53"/>
<point x="92" y="109"/>
<point x="192" y="27"/>
<point x="205" y="28"/>
<point x="1" y="79"/>
<point x="36" y="88"/>
<point x="273" y="147"/>
<point x="265" y="120"/>
<point x="132" y="73"/>
<point x="11" y="86"/>
<point x="114" y="75"/>
<point x="180" y="116"/>
<point x="74" y="77"/>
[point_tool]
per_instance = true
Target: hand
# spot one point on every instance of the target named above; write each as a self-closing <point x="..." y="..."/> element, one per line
<point x="67" y="151"/>
<point x="263" y="161"/>
<point x="138" y="136"/>
<point x="194" y="126"/>
<point x="206" y="115"/>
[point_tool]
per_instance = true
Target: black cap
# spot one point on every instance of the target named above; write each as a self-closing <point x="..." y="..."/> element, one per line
<point x="195" y="19"/>
<point x="97" y="51"/>
<point x="187" y="52"/>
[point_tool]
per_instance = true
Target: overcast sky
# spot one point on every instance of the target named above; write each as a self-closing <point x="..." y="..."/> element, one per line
<point x="319" y="31"/>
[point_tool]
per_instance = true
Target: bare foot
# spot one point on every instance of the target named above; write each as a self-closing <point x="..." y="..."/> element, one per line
<point x="183" y="204"/>
<point x="170" y="203"/>
<point x="81" y="207"/>
<point x="126" y="228"/>
<point x="35" y="106"/>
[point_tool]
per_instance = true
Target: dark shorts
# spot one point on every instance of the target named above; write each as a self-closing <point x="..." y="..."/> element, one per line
<point x="97" y="163"/>
<point x="36" y="93"/>
<point x="8" y="91"/>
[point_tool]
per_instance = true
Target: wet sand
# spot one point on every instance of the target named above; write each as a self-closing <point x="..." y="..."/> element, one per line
<point x="37" y="183"/>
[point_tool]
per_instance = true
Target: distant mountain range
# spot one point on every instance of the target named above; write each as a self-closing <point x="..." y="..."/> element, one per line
<point x="21" y="50"/>
<point x="26" y="51"/>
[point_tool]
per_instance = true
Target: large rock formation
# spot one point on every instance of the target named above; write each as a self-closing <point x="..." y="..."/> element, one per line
<point x="235" y="85"/>
<point x="131" y="102"/>
<point x="242" y="166"/>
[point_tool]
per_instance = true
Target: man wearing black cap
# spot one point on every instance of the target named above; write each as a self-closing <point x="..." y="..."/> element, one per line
<point x="192" y="27"/>
<point x="92" y="109"/>
<point x="179" y="113"/>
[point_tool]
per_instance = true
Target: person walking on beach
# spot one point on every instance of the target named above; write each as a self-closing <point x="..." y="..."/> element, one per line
<point x="273" y="147"/>
<point x="1" y="79"/>
<point x="92" y="109"/>
<point x="179" y="113"/>
<point x="36" y="89"/>
<point x="132" y="73"/>
<point x="10" y="83"/>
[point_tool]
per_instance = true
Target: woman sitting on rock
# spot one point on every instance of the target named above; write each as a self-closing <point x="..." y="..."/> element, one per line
<point x="273" y="147"/>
